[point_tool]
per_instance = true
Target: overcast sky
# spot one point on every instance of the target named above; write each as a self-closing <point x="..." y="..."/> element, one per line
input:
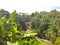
<point x="29" y="6"/>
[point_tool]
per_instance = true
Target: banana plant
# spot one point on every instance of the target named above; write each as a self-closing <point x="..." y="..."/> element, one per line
<point x="7" y="28"/>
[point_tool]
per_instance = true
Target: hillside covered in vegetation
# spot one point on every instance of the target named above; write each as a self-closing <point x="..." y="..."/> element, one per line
<point x="44" y="25"/>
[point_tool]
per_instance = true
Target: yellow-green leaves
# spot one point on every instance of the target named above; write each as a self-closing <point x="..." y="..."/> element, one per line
<point x="11" y="18"/>
<point x="57" y="42"/>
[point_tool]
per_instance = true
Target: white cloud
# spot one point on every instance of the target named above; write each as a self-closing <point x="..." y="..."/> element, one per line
<point x="28" y="6"/>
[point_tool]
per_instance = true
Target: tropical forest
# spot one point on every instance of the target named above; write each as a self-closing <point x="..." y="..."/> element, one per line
<point x="37" y="28"/>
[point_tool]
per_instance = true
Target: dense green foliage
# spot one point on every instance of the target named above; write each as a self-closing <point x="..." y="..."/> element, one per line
<point x="45" y="24"/>
<point x="48" y="24"/>
<point x="9" y="32"/>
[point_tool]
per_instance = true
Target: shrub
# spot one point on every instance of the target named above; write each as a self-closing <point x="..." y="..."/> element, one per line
<point x="57" y="42"/>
